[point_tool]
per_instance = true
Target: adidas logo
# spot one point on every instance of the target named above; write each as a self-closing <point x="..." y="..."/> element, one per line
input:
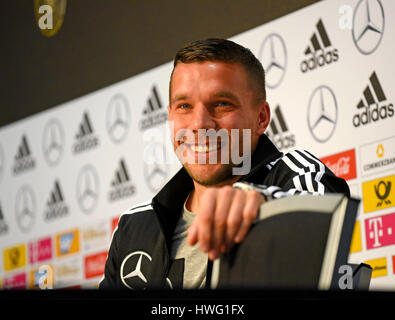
<point x="121" y="186"/>
<point x="23" y="158"/>
<point x="278" y="131"/>
<point x="373" y="95"/>
<point x="56" y="207"/>
<point x="154" y="113"/>
<point x="3" y="225"/>
<point x="319" y="49"/>
<point x="85" y="137"/>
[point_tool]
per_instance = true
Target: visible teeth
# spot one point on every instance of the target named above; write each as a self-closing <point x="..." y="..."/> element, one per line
<point x="204" y="148"/>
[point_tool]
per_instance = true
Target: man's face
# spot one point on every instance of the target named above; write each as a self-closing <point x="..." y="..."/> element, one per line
<point x="214" y="95"/>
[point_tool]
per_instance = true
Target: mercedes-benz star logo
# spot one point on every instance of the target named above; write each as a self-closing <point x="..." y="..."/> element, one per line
<point x="53" y="141"/>
<point x="25" y="208"/>
<point x="131" y="270"/>
<point x="88" y="188"/>
<point x="155" y="170"/>
<point x="118" y="118"/>
<point x="322" y="113"/>
<point x="273" y="56"/>
<point x="368" y="25"/>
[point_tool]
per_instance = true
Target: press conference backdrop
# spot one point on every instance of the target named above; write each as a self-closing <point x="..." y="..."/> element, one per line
<point x="67" y="173"/>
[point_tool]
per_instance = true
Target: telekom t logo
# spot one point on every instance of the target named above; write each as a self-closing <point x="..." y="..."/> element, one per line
<point x="379" y="231"/>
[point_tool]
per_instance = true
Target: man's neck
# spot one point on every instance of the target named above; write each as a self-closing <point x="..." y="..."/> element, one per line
<point x="193" y="203"/>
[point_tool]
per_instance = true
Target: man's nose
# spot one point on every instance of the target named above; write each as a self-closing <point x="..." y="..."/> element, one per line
<point x="202" y="118"/>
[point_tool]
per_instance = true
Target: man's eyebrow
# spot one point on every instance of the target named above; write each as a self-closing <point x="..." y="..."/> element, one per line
<point x="218" y="94"/>
<point x="225" y="94"/>
<point x="179" y="97"/>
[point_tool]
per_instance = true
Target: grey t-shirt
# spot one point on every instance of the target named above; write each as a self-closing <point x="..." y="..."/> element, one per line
<point x="195" y="261"/>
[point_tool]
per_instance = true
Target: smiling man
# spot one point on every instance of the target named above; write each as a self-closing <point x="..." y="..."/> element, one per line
<point x="219" y="113"/>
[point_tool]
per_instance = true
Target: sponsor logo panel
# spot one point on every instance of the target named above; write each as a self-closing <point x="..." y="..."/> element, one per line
<point x="87" y="188"/>
<point x="342" y="164"/>
<point x="379" y="267"/>
<point x="68" y="273"/>
<point x="56" y="206"/>
<point x="95" y="235"/>
<point x="3" y="223"/>
<point x="53" y="142"/>
<point x="25" y="208"/>
<point x="154" y="112"/>
<point x="378" y="156"/>
<point x="368" y="25"/>
<point x="16" y="281"/>
<point x="278" y="131"/>
<point x="356" y="243"/>
<point x="67" y="243"/>
<point x="85" y="138"/>
<point x="273" y="56"/>
<point x="23" y="160"/>
<point x="380" y="231"/>
<point x="320" y="51"/>
<point x="94" y="264"/>
<point x="121" y="185"/>
<point x="14" y="257"/>
<point x="118" y="118"/>
<point x="322" y="113"/>
<point x="40" y="250"/>
<point x="374" y="106"/>
<point x="379" y="193"/>
<point x="41" y="277"/>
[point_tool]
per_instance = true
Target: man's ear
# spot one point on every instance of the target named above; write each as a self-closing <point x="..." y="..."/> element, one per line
<point x="263" y="117"/>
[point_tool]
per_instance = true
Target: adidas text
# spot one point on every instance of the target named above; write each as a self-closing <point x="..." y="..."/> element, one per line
<point x="85" y="144"/>
<point x="23" y="164"/>
<point x="373" y="114"/>
<point x="56" y="211"/>
<point x="325" y="58"/>
<point x="121" y="192"/>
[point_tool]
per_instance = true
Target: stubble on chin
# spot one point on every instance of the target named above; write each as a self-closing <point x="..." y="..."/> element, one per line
<point x="219" y="177"/>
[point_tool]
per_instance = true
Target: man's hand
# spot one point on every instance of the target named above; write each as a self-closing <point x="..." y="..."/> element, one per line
<point x="225" y="217"/>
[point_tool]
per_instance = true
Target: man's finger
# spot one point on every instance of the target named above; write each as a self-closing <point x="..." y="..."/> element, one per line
<point x="224" y="199"/>
<point x="192" y="234"/>
<point x="235" y="217"/>
<point x="205" y="220"/>
<point x="250" y="213"/>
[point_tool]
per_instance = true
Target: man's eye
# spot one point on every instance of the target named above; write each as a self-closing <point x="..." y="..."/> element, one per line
<point x="184" y="106"/>
<point x="222" y="103"/>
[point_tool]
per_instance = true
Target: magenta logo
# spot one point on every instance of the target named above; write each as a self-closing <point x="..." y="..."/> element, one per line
<point x="16" y="281"/>
<point x="40" y="250"/>
<point x="380" y="231"/>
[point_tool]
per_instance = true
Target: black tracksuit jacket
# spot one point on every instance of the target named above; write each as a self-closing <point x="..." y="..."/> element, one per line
<point x="140" y="247"/>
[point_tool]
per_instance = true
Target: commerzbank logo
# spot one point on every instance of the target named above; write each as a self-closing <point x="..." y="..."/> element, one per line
<point x="378" y="156"/>
<point x="320" y="51"/>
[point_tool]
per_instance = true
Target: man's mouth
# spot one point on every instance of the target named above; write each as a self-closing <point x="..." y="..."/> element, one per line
<point x="204" y="148"/>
